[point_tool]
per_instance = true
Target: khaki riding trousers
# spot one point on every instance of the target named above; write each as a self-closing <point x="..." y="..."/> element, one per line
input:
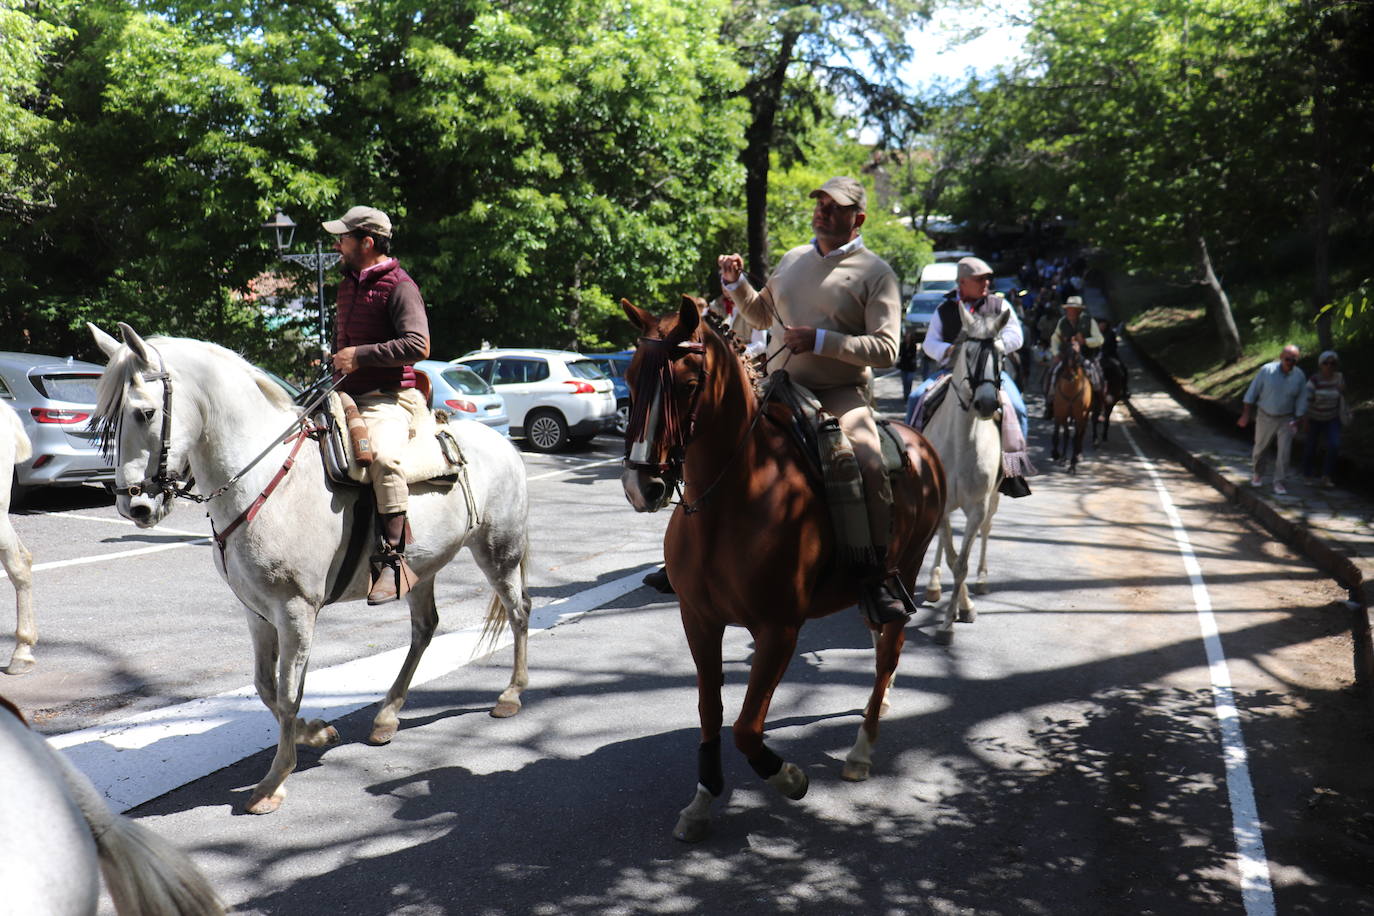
<point x="850" y="407"/>
<point x="390" y="417"/>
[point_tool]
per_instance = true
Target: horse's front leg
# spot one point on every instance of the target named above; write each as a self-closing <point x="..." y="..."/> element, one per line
<point x="694" y="821"/>
<point x="933" y="589"/>
<point x="293" y="632"/>
<point x="773" y="650"/>
<point x="981" y="586"/>
<point x="944" y="633"/>
<point x="18" y="563"/>
<point x="960" y="599"/>
<point x="888" y="650"/>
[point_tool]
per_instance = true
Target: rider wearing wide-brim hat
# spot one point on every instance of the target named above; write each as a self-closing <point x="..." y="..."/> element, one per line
<point x="1075" y="325"/>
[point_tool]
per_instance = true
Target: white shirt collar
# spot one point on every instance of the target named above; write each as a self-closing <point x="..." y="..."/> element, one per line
<point x="852" y="245"/>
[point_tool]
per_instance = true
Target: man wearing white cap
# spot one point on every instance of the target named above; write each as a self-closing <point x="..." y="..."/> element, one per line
<point x="835" y="308"/>
<point x="380" y="332"/>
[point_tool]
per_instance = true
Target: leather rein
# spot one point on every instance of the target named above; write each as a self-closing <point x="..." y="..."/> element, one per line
<point x="987" y="350"/>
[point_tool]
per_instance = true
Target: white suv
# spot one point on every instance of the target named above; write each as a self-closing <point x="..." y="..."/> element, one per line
<point x="554" y="397"/>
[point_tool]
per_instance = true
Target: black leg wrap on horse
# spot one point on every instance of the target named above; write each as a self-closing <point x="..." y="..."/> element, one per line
<point x="766" y="764"/>
<point x="709" y="773"/>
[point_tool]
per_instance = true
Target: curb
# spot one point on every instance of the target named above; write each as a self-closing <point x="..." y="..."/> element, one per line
<point x="1327" y="555"/>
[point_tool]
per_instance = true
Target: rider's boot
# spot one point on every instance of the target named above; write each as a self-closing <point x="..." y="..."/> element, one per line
<point x="881" y="594"/>
<point x="392" y="576"/>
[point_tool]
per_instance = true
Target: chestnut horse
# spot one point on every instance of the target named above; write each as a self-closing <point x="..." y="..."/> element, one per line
<point x="1073" y="398"/>
<point x="751" y="542"/>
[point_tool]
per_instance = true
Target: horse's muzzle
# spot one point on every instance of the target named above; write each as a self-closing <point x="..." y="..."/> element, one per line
<point x="144" y="510"/>
<point x="986" y="401"/>
<point x="645" y="491"/>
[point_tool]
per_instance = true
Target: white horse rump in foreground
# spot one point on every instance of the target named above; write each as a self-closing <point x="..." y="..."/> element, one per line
<point x="55" y="828"/>
<point x="14" y="448"/>
<point x="969" y="443"/>
<point x="181" y="409"/>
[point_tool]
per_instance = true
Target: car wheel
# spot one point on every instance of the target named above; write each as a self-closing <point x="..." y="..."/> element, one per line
<point x="546" y="430"/>
<point x="19" y="494"/>
<point x="622" y="417"/>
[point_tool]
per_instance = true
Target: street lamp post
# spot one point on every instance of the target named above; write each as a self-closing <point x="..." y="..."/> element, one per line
<point x="285" y="228"/>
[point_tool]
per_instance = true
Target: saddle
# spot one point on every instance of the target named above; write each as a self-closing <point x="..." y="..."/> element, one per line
<point x="432" y="455"/>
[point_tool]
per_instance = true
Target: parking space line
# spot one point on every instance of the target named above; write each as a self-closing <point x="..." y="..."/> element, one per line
<point x="195" y="540"/>
<point x="576" y="467"/>
<point x="141" y="757"/>
<point x="1256" y="890"/>
<point x="117" y="521"/>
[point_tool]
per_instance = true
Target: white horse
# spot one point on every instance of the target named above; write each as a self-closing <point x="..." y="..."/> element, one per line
<point x="188" y="409"/>
<point x="14" y="448"/>
<point x="56" y="830"/>
<point x="966" y="436"/>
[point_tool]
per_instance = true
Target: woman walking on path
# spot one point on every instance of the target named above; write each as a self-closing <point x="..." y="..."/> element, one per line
<point x="1322" y="426"/>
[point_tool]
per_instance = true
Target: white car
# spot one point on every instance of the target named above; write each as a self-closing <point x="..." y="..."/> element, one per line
<point x="553" y="397"/>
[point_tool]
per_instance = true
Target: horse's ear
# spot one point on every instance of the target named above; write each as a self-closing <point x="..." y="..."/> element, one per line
<point x="135" y="343"/>
<point x="688" y="317"/>
<point x="643" y="319"/>
<point x="965" y="318"/>
<point x="107" y="344"/>
<point x="1002" y="318"/>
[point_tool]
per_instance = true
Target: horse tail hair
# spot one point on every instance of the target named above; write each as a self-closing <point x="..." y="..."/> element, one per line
<point x="497" y="617"/>
<point x="146" y="874"/>
<point x="23" y="449"/>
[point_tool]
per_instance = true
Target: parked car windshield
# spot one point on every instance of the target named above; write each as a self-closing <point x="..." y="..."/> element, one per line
<point x="585" y="368"/>
<point x="76" y="388"/>
<point x="465" y="380"/>
<point x="937" y="285"/>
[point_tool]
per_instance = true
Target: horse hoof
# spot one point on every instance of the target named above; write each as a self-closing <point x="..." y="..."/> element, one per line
<point x="319" y="735"/>
<point x="967" y="615"/>
<point x="19" y="666"/>
<point x="855" y="772"/>
<point x="692" y="830"/>
<point x="980" y="588"/>
<point x="263" y="804"/>
<point x="382" y="734"/>
<point x="504" y="709"/>
<point x="932" y="595"/>
<point x="944" y="637"/>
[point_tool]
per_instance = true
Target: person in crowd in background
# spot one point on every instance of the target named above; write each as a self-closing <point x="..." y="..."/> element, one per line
<point x="1321" y="425"/>
<point x="1278" y="395"/>
<point x="909" y="360"/>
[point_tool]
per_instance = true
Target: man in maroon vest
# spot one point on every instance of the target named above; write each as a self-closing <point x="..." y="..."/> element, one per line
<point x="380" y="332"/>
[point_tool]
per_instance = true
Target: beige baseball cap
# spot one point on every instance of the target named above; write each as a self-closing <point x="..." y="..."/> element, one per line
<point x="845" y="191"/>
<point x="365" y="219"/>
<point x="973" y="267"/>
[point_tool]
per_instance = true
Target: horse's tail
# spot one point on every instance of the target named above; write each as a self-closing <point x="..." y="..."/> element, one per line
<point x="497" y="618"/>
<point x="146" y="875"/>
<point x="23" y="449"/>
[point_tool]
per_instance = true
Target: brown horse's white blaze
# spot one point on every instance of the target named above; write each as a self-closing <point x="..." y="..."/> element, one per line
<point x="746" y="493"/>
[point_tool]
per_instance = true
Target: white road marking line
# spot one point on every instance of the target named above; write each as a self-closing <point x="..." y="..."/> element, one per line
<point x="1257" y="892"/>
<point x="577" y="467"/>
<point x="120" y="521"/>
<point x="147" y="755"/>
<point x="197" y="541"/>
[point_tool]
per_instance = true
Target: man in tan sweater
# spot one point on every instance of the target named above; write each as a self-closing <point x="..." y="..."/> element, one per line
<point x="835" y="307"/>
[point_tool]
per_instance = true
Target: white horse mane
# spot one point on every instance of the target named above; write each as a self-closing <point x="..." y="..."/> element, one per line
<point x="125" y="371"/>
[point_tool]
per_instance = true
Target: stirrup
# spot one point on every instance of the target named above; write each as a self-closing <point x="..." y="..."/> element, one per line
<point x="391" y="577"/>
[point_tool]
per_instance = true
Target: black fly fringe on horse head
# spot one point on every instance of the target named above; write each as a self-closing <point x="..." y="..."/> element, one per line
<point x="109" y="404"/>
<point x="658" y="367"/>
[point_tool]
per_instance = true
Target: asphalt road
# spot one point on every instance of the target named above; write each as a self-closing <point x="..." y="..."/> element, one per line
<point x="1075" y="751"/>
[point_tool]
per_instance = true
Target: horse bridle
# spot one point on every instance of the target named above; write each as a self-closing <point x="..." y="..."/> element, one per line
<point x="660" y="356"/>
<point x="974" y="374"/>
<point x="162" y="480"/>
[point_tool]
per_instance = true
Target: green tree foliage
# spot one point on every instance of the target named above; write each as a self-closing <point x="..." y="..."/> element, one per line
<point x="539" y="160"/>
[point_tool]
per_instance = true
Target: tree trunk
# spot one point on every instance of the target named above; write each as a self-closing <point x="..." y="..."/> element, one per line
<point x="1218" y="304"/>
<point x="1321" y="222"/>
<point x="764" y="97"/>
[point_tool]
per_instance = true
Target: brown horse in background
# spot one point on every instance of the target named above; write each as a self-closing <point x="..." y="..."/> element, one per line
<point x="1114" y="391"/>
<point x="751" y="543"/>
<point x="1073" y="398"/>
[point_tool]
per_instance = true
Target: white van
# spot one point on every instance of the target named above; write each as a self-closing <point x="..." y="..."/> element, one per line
<point x="939" y="277"/>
